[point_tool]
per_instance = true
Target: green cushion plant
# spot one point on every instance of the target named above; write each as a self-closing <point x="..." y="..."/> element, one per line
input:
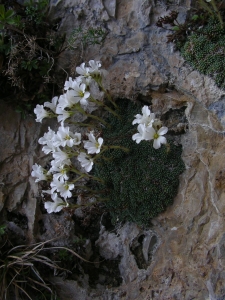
<point x="142" y="183"/>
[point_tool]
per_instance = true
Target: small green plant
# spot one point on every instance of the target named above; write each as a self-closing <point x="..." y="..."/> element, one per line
<point x="142" y="183"/>
<point x="2" y="229"/>
<point x="64" y="255"/>
<point x="29" y="50"/>
<point x="90" y="36"/>
<point x="36" y="11"/>
<point x="29" y="65"/>
<point x="200" y="38"/>
<point x="8" y="17"/>
<point x="205" y="51"/>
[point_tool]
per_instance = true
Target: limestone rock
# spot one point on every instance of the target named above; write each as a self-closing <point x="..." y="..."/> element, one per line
<point x="182" y="255"/>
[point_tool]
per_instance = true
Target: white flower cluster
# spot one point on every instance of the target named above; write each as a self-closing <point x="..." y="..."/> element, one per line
<point x="64" y="144"/>
<point x="149" y="128"/>
<point x="76" y="96"/>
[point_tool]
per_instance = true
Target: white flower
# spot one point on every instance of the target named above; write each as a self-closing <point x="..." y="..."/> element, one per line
<point x="49" y="148"/>
<point x="57" y="205"/>
<point x="67" y="100"/>
<point x="77" y="138"/>
<point x="48" y="141"/>
<point x="82" y="70"/>
<point x="80" y="93"/>
<point x="61" y="157"/>
<point x="63" y="187"/>
<point x="48" y="136"/>
<point x="63" y="114"/>
<point x="41" y="113"/>
<point x="94" y="67"/>
<point x="40" y="173"/>
<point x="146" y="118"/>
<point x="52" y="105"/>
<point x="70" y="83"/>
<point x="142" y="134"/>
<point x="61" y="171"/>
<point x="93" y="145"/>
<point x="64" y="137"/>
<point x="85" y="161"/>
<point x="157" y="136"/>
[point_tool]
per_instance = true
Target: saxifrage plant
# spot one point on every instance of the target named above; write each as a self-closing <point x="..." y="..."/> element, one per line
<point x="135" y="173"/>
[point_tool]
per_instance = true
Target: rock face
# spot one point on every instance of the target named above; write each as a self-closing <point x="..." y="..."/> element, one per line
<point x="182" y="256"/>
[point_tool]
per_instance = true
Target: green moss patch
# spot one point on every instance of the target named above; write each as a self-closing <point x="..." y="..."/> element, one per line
<point x="142" y="183"/>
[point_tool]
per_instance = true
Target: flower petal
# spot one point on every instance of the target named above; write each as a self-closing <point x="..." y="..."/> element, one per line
<point x="162" y="130"/>
<point x="156" y="144"/>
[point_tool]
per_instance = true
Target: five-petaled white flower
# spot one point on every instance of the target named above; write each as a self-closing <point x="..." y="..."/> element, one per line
<point x="64" y="137"/>
<point x="41" y="113"/>
<point x="157" y="136"/>
<point x="94" y="67"/>
<point x="68" y="99"/>
<point x="63" y="187"/>
<point x="59" y="170"/>
<point x="52" y="105"/>
<point x="85" y="161"/>
<point x="93" y="145"/>
<point x="40" y="173"/>
<point x="81" y="94"/>
<point x="61" y="157"/>
<point x="70" y="83"/>
<point x="57" y="205"/>
<point x="147" y="118"/>
<point x="48" y="141"/>
<point x="82" y="70"/>
<point x="142" y="135"/>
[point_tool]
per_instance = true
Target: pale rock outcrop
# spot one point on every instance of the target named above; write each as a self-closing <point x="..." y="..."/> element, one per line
<point x="184" y="251"/>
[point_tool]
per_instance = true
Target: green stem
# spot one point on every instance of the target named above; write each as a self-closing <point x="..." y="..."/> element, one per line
<point x="118" y="147"/>
<point x="217" y="12"/>
<point x="86" y="175"/>
<point x="77" y="179"/>
<point x="106" y="107"/>
<point x="77" y="172"/>
<point x="107" y="95"/>
<point x="89" y="204"/>
<point x="97" y="118"/>
<point x="79" y="124"/>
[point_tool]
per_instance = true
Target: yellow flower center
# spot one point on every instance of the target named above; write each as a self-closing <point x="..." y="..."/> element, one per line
<point x="81" y="94"/>
<point x="156" y="136"/>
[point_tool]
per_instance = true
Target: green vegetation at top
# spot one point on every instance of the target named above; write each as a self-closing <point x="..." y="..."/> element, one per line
<point x="201" y="38"/>
<point x="30" y="47"/>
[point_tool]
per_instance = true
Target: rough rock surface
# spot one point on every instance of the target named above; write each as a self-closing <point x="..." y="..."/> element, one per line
<point x="183" y="253"/>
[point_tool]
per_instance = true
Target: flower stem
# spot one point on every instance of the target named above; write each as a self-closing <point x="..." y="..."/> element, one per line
<point x="108" y="95"/>
<point x="79" y="124"/>
<point x="118" y="147"/>
<point x="106" y="107"/>
<point x="97" y="118"/>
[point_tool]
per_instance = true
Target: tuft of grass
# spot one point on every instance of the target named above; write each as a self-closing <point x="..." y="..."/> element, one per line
<point x="22" y="267"/>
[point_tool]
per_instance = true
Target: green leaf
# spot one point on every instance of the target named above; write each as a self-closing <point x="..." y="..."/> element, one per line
<point x="195" y="17"/>
<point x="2" y="26"/>
<point x="11" y="21"/>
<point x="2" y="10"/>
<point x="9" y="14"/>
<point x="176" y="28"/>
